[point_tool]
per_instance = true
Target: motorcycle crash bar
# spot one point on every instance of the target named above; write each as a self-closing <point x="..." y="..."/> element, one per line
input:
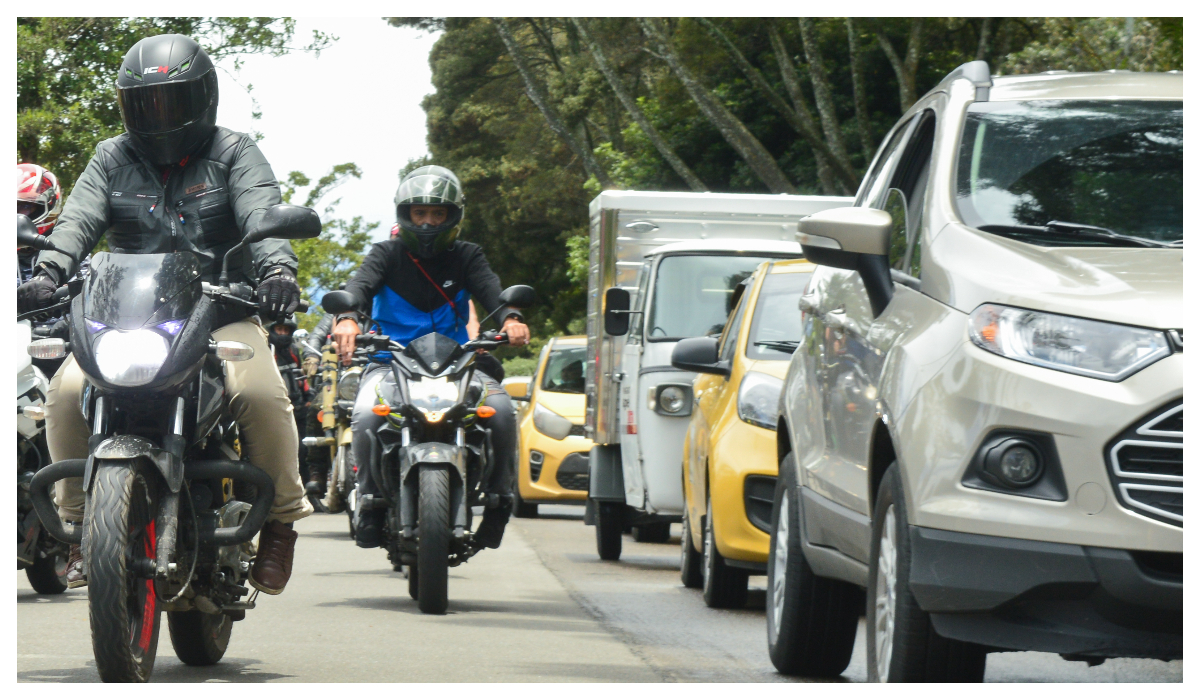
<point x="48" y="349"/>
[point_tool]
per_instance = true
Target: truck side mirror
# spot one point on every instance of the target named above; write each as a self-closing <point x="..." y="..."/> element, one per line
<point x="852" y="238"/>
<point x="616" y="311"/>
<point x="699" y="355"/>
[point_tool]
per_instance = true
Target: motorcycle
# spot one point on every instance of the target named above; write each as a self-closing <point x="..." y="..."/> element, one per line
<point x="171" y="507"/>
<point x="339" y="386"/>
<point x="431" y="458"/>
<point x="43" y="558"/>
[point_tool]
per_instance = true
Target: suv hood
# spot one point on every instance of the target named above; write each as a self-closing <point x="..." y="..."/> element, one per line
<point x="1134" y="286"/>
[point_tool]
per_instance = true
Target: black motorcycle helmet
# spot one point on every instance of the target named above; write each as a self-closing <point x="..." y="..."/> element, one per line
<point x="283" y="340"/>
<point x="167" y="91"/>
<point x="434" y="185"/>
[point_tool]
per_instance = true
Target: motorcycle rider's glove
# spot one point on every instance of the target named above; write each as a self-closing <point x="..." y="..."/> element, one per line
<point x="310" y="365"/>
<point x="37" y="293"/>
<point x="278" y="295"/>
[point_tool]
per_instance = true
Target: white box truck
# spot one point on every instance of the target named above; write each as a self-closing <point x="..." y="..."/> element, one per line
<point x="662" y="267"/>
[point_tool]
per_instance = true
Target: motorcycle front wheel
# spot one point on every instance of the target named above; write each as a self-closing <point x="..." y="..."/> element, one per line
<point x="433" y="544"/>
<point x="334" y="500"/>
<point x="122" y="606"/>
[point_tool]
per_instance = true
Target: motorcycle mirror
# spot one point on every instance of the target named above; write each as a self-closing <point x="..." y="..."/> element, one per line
<point x="520" y="296"/>
<point x="339" y="302"/>
<point x="28" y="237"/>
<point x="287" y="221"/>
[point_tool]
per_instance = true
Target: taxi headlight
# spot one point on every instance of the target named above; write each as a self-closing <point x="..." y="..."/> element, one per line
<point x="758" y="400"/>
<point x="348" y="384"/>
<point x="130" y="358"/>
<point x="550" y="424"/>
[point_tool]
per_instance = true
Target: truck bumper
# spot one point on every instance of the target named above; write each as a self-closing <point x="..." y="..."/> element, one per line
<point x="1027" y="595"/>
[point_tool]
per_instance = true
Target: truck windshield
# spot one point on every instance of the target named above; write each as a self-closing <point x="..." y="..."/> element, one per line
<point x="776" y="326"/>
<point x="692" y="294"/>
<point x="564" y="370"/>
<point x="1074" y="172"/>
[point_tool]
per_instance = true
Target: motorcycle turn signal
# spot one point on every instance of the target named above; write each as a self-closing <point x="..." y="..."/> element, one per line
<point x="485" y="411"/>
<point x="381" y="409"/>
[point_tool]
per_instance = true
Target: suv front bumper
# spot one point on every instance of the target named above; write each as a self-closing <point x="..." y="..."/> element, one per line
<point x="1026" y="595"/>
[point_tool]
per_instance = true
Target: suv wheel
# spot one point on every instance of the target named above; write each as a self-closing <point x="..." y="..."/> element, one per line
<point x="902" y="645"/>
<point x="724" y="586"/>
<point x="811" y="620"/>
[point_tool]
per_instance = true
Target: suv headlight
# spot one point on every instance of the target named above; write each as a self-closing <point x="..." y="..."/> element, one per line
<point x="1082" y="346"/>
<point x="758" y="399"/>
<point x="550" y="424"/>
<point x="130" y="358"/>
<point x="348" y="383"/>
<point x="433" y="397"/>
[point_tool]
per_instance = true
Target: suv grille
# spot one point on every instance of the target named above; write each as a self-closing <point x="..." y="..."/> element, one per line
<point x="1146" y="465"/>
<point x="573" y="472"/>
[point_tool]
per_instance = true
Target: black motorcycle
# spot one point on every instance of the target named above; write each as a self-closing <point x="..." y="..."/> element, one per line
<point x="171" y="507"/>
<point x="431" y="458"/>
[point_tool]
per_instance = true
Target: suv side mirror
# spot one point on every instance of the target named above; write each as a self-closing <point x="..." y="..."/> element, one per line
<point x="699" y="355"/>
<point x="287" y="221"/>
<point x="852" y="238"/>
<point x="519" y="296"/>
<point x="616" y="311"/>
<point x="339" y="302"/>
<point x="28" y="237"/>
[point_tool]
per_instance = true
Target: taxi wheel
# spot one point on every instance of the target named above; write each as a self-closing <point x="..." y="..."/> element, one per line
<point x="523" y="509"/>
<point x="689" y="558"/>
<point x="724" y="586"/>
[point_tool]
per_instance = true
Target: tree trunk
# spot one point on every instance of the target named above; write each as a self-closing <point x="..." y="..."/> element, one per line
<point x="761" y="162"/>
<point x="548" y="111"/>
<point x="985" y="37"/>
<point x="635" y="111"/>
<point x="906" y="69"/>
<point x="822" y="92"/>
<point x="858" y="81"/>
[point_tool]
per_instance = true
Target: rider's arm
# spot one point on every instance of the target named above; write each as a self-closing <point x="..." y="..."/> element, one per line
<point x="83" y="220"/>
<point x="253" y="189"/>
<point x="316" y="339"/>
<point x="484" y="285"/>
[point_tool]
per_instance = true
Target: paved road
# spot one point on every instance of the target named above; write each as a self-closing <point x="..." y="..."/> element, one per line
<point x="541" y="608"/>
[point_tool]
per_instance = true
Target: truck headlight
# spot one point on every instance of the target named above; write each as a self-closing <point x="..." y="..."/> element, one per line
<point x="758" y="399"/>
<point x="433" y="397"/>
<point x="550" y="424"/>
<point x="130" y="358"/>
<point x="348" y="383"/>
<point x="1096" y="349"/>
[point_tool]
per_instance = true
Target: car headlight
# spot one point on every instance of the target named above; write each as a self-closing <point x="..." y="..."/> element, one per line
<point x="1082" y="346"/>
<point x="348" y="383"/>
<point x="550" y="424"/>
<point x="130" y="358"/>
<point x="433" y="397"/>
<point x="758" y="399"/>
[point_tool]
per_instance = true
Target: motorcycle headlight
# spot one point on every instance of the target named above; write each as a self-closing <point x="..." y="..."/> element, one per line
<point x="130" y="358"/>
<point x="550" y="424"/>
<point x="758" y="399"/>
<point x="433" y="397"/>
<point x="1096" y="349"/>
<point x="348" y="383"/>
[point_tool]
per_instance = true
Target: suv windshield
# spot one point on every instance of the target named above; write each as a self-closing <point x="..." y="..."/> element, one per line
<point x="776" y="325"/>
<point x="692" y="294"/>
<point x="1073" y="172"/>
<point x="564" y="370"/>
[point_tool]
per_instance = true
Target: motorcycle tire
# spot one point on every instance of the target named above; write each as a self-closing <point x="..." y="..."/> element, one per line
<point x="523" y="509"/>
<point x="351" y="505"/>
<point x="433" y="543"/>
<point x="413" y="578"/>
<point x="48" y="575"/>
<point x="199" y="638"/>
<point x="333" y="499"/>
<point x="122" y="607"/>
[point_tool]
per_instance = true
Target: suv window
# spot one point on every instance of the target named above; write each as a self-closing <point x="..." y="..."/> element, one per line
<point x="877" y="178"/>
<point x="906" y="197"/>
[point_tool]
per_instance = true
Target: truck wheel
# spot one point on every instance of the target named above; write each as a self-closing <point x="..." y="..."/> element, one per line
<point x="608" y="530"/>
<point x="521" y="508"/>
<point x="199" y="639"/>
<point x="689" y="558"/>
<point x="902" y="645"/>
<point x="48" y="574"/>
<point x="656" y="533"/>
<point x="433" y="541"/>
<point x="724" y="586"/>
<point x="811" y="620"/>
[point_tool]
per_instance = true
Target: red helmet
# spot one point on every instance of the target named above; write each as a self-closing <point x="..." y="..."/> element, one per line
<point x="38" y="196"/>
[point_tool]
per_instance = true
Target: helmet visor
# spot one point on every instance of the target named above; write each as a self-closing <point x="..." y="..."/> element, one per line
<point x="153" y="109"/>
<point x="34" y="210"/>
<point x="429" y="189"/>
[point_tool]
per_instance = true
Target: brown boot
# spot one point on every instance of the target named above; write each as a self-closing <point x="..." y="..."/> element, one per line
<point x="75" y="577"/>
<point x="273" y="564"/>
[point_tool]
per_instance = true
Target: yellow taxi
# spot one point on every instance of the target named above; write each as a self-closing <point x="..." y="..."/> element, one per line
<point x="552" y="463"/>
<point x="729" y="455"/>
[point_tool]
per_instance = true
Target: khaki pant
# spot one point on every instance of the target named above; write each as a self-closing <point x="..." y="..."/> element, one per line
<point x="258" y="402"/>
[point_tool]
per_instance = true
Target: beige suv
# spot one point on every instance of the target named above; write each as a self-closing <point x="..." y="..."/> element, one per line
<point x="982" y="425"/>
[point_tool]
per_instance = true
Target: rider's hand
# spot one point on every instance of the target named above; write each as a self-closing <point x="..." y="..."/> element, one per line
<point x="35" y="294"/>
<point x="278" y="294"/>
<point x="343" y="336"/>
<point x="518" y="333"/>
<point x="310" y="365"/>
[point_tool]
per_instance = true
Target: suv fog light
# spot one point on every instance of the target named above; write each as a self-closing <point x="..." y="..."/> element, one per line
<point x="1015" y="462"/>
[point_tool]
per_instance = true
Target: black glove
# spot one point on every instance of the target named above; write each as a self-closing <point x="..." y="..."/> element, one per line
<point x="35" y="294"/>
<point x="278" y="295"/>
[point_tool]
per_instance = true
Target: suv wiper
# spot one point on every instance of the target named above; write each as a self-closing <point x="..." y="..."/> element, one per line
<point x="1099" y="232"/>
<point x="787" y="346"/>
<point x="1067" y="231"/>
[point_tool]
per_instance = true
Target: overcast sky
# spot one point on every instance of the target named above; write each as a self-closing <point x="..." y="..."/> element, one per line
<point x="360" y="102"/>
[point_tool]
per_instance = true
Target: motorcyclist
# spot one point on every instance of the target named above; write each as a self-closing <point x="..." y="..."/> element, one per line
<point x="421" y="281"/>
<point x="175" y="181"/>
<point x="40" y="198"/>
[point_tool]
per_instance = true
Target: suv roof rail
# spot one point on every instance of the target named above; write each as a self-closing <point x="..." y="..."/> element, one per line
<point x="978" y="72"/>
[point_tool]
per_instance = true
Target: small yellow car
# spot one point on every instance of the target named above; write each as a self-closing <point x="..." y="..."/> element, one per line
<point x="729" y="460"/>
<point x="553" y="453"/>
